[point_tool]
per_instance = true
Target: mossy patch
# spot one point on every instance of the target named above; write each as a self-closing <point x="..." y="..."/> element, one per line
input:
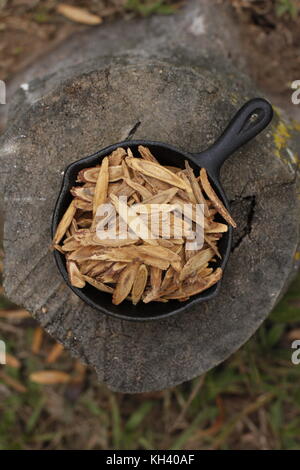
<point x="283" y="135"/>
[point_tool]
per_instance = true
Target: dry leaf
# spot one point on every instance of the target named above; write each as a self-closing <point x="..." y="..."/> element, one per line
<point x="37" y="340"/>
<point x="13" y="383"/>
<point x="77" y="14"/>
<point x="12" y="361"/>
<point x="50" y="377"/>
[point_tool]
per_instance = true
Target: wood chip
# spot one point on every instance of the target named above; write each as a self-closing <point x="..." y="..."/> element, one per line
<point x="98" y="285"/>
<point x="19" y="314"/>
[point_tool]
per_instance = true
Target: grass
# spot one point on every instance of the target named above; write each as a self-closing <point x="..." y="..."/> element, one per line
<point x="249" y="401"/>
<point x="287" y="7"/>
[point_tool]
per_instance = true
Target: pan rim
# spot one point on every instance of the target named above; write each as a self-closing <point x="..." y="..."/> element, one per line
<point x="58" y="257"/>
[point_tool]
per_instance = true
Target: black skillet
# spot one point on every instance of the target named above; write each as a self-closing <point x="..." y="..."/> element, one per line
<point x="251" y="119"/>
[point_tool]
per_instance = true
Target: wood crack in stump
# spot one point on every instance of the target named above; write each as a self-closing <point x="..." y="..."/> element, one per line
<point x="133" y="130"/>
<point x="107" y="78"/>
<point x="250" y="201"/>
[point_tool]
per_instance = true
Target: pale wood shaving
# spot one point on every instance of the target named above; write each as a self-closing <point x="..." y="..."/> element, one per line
<point x="214" y="198"/>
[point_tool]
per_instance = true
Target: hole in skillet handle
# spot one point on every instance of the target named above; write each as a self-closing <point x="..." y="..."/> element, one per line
<point x="212" y="160"/>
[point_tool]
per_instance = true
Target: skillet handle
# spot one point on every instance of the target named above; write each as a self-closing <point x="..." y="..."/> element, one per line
<point x="249" y="121"/>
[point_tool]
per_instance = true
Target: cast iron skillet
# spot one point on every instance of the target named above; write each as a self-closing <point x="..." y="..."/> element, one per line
<point x="251" y="119"/>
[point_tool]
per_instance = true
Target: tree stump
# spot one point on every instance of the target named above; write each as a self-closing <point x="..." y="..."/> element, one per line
<point x="73" y="113"/>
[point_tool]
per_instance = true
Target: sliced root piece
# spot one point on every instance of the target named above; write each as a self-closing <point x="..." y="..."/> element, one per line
<point x="100" y="195"/>
<point x="133" y="221"/>
<point x="98" y="285"/>
<point x="146" y="154"/>
<point x="116" y="157"/>
<point x="145" y="193"/>
<point x="86" y="194"/>
<point x="156" y="171"/>
<point x="64" y="223"/>
<point x="196" y="262"/>
<point x="187" y="291"/>
<point x="196" y="188"/>
<point x="214" y="198"/>
<point x="75" y="276"/>
<point x="125" y="283"/>
<point x="139" y="284"/>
